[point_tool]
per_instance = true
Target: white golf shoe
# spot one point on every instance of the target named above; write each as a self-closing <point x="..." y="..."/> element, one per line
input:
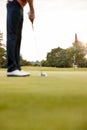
<point x="18" y="73"/>
<point x="27" y="73"/>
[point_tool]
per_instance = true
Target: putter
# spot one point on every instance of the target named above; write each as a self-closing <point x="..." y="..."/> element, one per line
<point x="43" y="74"/>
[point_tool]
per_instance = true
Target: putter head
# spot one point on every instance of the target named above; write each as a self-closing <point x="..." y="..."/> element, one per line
<point x="44" y="74"/>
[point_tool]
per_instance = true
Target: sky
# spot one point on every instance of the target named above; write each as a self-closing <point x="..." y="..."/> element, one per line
<point x="55" y="25"/>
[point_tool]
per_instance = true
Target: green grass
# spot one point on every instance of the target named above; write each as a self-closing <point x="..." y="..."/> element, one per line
<point x="56" y="102"/>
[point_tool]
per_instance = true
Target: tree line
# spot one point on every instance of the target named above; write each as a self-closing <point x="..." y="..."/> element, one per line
<point x="76" y="55"/>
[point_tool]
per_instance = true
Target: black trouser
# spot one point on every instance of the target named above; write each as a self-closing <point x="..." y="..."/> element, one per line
<point x="14" y="31"/>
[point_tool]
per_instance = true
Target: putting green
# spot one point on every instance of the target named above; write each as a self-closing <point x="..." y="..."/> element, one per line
<point x="56" y="102"/>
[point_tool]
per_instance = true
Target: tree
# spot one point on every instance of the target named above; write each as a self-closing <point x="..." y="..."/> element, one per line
<point x="44" y="63"/>
<point x="2" y="52"/>
<point x="76" y="55"/>
<point x="58" y="57"/>
<point x="79" y="53"/>
<point x="64" y="59"/>
<point x="52" y="57"/>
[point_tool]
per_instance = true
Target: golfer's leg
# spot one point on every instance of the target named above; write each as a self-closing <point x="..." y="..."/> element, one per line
<point x="18" y="45"/>
<point x="12" y="32"/>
